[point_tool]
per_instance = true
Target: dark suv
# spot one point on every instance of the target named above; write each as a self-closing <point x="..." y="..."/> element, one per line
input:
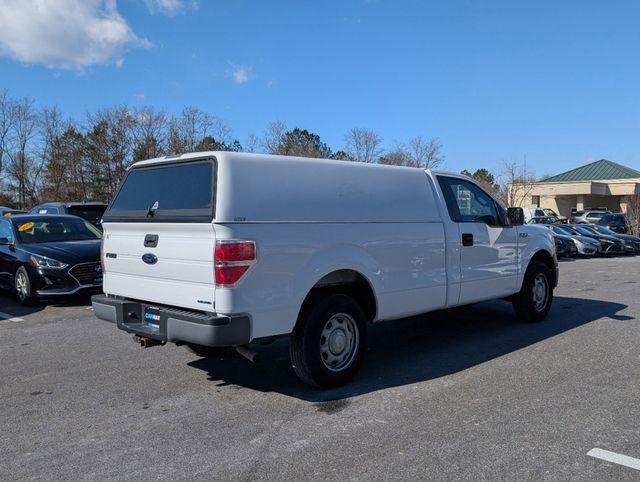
<point x="89" y="211"/>
<point x="615" y="222"/>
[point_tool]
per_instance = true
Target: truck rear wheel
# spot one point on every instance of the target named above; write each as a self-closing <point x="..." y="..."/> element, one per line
<point x="533" y="301"/>
<point x="328" y="342"/>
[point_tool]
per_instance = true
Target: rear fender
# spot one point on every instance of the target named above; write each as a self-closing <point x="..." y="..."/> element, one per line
<point x="334" y="259"/>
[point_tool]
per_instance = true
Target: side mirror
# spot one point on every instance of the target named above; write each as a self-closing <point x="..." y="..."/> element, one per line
<point x="5" y="242"/>
<point x="516" y="216"/>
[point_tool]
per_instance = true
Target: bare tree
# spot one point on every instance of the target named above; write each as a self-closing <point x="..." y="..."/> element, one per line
<point x="421" y="152"/>
<point x="52" y="128"/>
<point x="7" y="118"/>
<point x="363" y="145"/>
<point x="221" y="131"/>
<point x="253" y="143"/>
<point x="74" y="148"/>
<point x="398" y="156"/>
<point x="188" y="131"/>
<point x="109" y="149"/>
<point x="633" y="213"/>
<point x="149" y="130"/>
<point x="273" y="137"/>
<point x="426" y="153"/>
<point x="517" y="185"/>
<point x="20" y="156"/>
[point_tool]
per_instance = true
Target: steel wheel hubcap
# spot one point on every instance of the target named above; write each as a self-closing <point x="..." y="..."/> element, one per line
<point x="339" y="342"/>
<point x="540" y="292"/>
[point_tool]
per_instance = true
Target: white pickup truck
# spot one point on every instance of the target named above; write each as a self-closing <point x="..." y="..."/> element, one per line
<point x="221" y="249"/>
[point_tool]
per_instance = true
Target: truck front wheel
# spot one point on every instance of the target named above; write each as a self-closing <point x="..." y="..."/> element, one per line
<point x="533" y="301"/>
<point x="328" y="342"/>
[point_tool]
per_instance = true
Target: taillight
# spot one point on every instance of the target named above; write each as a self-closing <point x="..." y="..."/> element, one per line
<point x="102" y="254"/>
<point x="232" y="259"/>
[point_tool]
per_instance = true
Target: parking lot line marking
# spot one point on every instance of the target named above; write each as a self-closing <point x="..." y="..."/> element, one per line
<point x="615" y="458"/>
<point x="8" y="317"/>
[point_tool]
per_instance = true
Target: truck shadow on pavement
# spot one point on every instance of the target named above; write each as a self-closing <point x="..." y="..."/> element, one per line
<point x="413" y="350"/>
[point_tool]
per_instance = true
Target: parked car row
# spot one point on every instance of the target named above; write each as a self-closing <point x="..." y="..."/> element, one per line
<point x="617" y="222"/>
<point x="591" y="240"/>
<point x="89" y="211"/>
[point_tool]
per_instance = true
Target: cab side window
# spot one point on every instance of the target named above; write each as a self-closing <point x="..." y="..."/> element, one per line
<point x="6" y="233"/>
<point x="467" y="203"/>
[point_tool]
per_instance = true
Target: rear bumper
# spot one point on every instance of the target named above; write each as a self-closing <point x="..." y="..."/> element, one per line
<point x="174" y="324"/>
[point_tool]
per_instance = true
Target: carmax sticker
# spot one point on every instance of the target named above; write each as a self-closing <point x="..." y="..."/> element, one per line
<point x="26" y="226"/>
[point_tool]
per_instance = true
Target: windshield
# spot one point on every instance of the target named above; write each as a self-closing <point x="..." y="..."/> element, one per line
<point x="173" y="192"/>
<point x="90" y="213"/>
<point x="586" y="231"/>
<point x="595" y="214"/>
<point x="550" y="212"/>
<point x="603" y="230"/>
<point x="563" y="230"/>
<point x="55" y="230"/>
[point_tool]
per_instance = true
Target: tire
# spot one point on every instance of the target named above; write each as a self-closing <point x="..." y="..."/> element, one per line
<point x="206" y="351"/>
<point x="533" y="302"/>
<point x="22" y="287"/>
<point x="329" y="340"/>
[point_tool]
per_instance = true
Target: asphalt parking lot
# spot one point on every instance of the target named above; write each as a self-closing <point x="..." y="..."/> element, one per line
<point x="444" y="396"/>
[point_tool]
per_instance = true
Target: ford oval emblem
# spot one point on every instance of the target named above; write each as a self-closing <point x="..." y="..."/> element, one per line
<point x="149" y="258"/>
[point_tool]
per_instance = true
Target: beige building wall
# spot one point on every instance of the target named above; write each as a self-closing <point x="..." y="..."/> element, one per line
<point x="562" y="197"/>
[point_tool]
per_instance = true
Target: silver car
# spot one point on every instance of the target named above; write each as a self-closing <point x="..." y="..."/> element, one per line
<point x="586" y="246"/>
<point x="588" y="216"/>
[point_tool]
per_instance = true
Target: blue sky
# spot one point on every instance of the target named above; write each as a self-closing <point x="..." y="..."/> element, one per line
<point x="557" y="82"/>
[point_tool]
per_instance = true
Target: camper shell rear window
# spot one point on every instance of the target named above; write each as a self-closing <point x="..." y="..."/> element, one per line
<point x="178" y="192"/>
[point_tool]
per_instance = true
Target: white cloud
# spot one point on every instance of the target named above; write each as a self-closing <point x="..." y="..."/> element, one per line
<point x="67" y="34"/>
<point x="241" y="74"/>
<point x="170" y="7"/>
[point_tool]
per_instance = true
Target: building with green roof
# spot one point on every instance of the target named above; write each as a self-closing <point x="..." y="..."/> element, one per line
<point x="599" y="184"/>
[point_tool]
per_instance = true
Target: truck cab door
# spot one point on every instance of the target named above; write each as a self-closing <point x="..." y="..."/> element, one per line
<point x="488" y="244"/>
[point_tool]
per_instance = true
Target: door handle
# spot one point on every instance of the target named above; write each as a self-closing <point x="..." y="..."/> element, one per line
<point x="467" y="239"/>
<point x="151" y="241"/>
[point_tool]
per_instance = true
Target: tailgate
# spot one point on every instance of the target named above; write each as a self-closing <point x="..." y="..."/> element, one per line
<point x="175" y="267"/>
<point x="158" y="242"/>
